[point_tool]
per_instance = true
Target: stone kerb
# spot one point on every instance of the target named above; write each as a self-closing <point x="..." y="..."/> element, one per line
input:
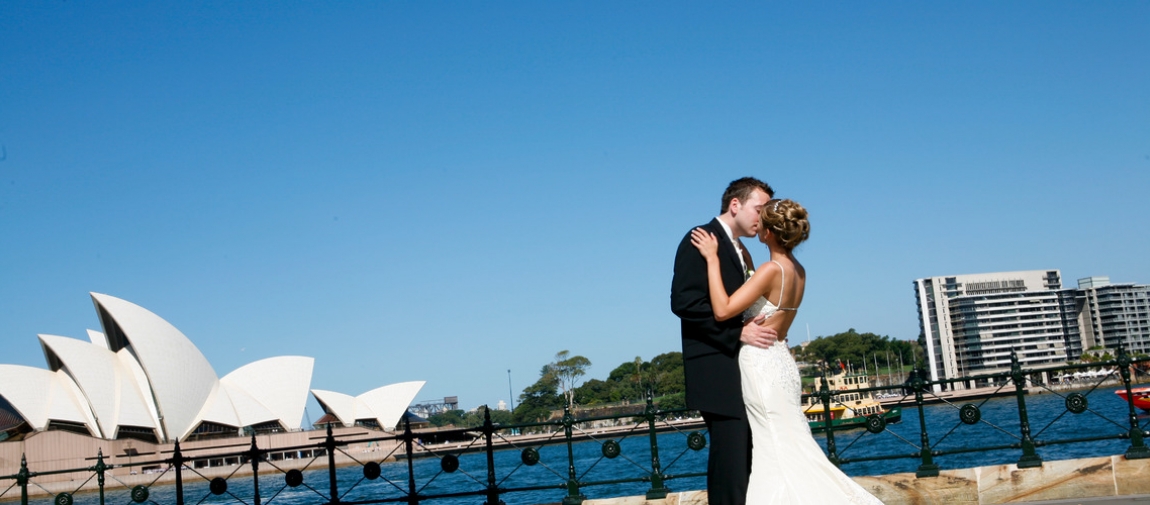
<point x="1111" y="476"/>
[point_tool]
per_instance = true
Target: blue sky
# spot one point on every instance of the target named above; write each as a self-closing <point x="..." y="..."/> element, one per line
<point x="446" y="191"/>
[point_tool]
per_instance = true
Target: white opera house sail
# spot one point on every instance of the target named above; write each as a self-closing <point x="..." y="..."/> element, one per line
<point x="142" y="378"/>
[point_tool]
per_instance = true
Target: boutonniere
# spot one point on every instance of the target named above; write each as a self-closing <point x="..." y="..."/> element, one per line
<point x="750" y="272"/>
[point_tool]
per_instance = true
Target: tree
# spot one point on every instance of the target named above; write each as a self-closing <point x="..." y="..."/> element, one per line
<point x="594" y="392"/>
<point x="675" y="401"/>
<point x="1096" y="354"/>
<point x="450" y="417"/>
<point x="471" y="419"/>
<point x="629" y="381"/>
<point x="500" y="417"/>
<point x="666" y="372"/>
<point x="639" y="372"/>
<point x="567" y="370"/>
<point x="853" y="347"/>
<point x="539" y="399"/>
<point x="624" y="382"/>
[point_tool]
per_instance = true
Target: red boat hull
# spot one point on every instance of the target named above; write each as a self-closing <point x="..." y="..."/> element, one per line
<point x="1141" y="397"/>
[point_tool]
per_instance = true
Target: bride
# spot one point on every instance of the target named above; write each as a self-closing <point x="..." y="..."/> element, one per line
<point x="787" y="465"/>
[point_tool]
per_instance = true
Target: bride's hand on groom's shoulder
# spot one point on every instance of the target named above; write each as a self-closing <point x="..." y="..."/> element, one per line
<point x="705" y="242"/>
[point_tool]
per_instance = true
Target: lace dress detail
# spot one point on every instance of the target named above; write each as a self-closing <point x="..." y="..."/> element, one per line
<point x="787" y="465"/>
<point x="774" y="364"/>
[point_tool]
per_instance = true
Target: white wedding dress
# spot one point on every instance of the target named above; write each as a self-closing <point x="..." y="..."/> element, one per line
<point x="787" y="465"/>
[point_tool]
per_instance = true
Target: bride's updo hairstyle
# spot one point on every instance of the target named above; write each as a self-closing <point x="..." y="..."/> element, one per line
<point x="787" y="220"/>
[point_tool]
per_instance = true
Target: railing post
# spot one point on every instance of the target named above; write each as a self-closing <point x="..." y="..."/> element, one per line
<point x="492" y="487"/>
<point x="329" y="444"/>
<point x="254" y="454"/>
<point x="1138" y="449"/>
<point x="573" y="496"/>
<point x="658" y="491"/>
<point x="22" y="479"/>
<point x="927" y="468"/>
<point x="412" y="492"/>
<point x="1030" y="458"/>
<point x="178" y="462"/>
<point x="100" y="468"/>
<point x="828" y="418"/>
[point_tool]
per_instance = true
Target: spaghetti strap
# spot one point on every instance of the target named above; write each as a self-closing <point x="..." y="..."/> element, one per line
<point x="782" y="287"/>
<point x="783" y="284"/>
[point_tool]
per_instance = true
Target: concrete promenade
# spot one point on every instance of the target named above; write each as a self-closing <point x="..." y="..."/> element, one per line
<point x="1102" y="480"/>
<point x="1121" y="500"/>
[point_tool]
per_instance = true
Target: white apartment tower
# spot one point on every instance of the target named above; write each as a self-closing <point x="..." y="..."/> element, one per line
<point x="1112" y="314"/>
<point x="972" y="322"/>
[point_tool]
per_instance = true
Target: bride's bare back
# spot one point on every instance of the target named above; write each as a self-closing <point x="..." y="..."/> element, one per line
<point x="786" y="281"/>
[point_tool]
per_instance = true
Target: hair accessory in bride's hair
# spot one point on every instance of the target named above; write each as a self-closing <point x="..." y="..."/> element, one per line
<point x="775" y="210"/>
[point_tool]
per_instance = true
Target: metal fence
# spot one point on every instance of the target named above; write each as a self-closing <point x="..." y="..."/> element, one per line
<point x="561" y="475"/>
<point x="1012" y="430"/>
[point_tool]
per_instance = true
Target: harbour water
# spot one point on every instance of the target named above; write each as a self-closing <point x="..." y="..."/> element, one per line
<point x="1049" y="419"/>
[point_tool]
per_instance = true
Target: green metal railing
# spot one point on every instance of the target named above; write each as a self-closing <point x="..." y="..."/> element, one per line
<point x="568" y="430"/>
<point x="1016" y="382"/>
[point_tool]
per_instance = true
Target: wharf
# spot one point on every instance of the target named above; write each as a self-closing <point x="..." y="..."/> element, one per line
<point x="951" y="396"/>
<point x="505" y="441"/>
<point x="994" y="392"/>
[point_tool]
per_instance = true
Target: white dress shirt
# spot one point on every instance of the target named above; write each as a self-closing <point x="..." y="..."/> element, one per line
<point x="735" y="242"/>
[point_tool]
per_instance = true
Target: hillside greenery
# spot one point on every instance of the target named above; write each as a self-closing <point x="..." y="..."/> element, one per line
<point x="628" y="383"/>
<point x="854" y="348"/>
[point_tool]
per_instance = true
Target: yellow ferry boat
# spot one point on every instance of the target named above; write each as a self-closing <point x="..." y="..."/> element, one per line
<point x="850" y="407"/>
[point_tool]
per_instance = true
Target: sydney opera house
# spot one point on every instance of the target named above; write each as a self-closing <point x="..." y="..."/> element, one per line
<point x="142" y="379"/>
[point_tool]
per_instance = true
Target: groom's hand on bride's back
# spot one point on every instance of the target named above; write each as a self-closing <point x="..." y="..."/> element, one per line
<point x="754" y="333"/>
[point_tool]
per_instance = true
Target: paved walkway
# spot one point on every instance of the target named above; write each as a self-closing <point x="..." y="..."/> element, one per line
<point x="1143" y="499"/>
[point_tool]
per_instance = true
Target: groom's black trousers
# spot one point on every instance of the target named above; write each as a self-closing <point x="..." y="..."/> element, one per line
<point x="729" y="462"/>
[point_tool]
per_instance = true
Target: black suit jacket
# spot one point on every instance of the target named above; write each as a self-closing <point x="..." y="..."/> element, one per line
<point x="710" y="347"/>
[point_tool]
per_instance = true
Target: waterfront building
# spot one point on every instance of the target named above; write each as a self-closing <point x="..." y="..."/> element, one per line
<point x="142" y="379"/>
<point x="971" y="323"/>
<point x="1112" y="314"/>
<point x="380" y="409"/>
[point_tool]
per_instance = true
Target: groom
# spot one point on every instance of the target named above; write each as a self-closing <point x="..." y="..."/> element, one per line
<point x="711" y="348"/>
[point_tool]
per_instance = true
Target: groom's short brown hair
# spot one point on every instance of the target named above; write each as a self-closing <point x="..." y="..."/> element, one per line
<point x="742" y="189"/>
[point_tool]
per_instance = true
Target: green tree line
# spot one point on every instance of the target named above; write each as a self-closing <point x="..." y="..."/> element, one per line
<point x="558" y="382"/>
<point x="856" y="348"/>
<point x="628" y="382"/>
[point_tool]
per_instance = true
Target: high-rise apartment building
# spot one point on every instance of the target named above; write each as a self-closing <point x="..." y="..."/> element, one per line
<point x="971" y="323"/>
<point x="1110" y="314"/>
